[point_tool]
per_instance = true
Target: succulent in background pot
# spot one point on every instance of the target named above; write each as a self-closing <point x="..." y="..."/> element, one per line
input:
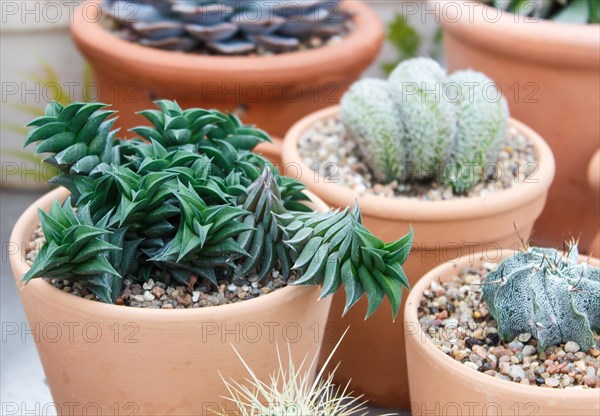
<point x="39" y="63"/>
<point x="392" y="130"/>
<point x="543" y="67"/>
<point x="525" y="333"/>
<point x="270" y="91"/>
<point x="180" y="219"/>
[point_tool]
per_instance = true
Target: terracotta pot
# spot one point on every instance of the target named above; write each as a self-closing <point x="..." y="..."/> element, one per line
<point x="118" y="359"/>
<point x="440" y="385"/>
<point x="443" y="230"/>
<point x="272" y="151"/>
<point x="273" y="92"/>
<point x="549" y="73"/>
<point x="594" y="180"/>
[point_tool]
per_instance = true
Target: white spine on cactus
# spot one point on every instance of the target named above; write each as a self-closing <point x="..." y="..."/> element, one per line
<point x="482" y="120"/>
<point x="372" y="120"/>
<point x="417" y="86"/>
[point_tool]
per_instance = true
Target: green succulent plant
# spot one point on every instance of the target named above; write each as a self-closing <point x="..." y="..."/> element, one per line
<point x="225" y="27"/>
<point x="422" y="124"/>
<point x="544" y="293"/>
<point x="378" y="131"/>
<point x="190" y="203"/>
<point x="567" y="11"/>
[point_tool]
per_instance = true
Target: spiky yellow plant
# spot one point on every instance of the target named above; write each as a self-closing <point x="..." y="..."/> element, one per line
<point x="290" y="391"/>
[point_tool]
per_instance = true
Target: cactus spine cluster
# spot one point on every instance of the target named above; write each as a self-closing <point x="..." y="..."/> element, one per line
<point x="422" y="123"/>
<point x="192" y="204"/>
<point x="547" y="294"/>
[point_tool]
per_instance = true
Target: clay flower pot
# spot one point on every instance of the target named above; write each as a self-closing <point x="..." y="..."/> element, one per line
<point x="594" y="181"/>
<point x="272" y="92"/>
<point x="119" y="359"/>
<point x="548" y="72"/>
<point x="441" y="385"/>
<point x="443" y="230"/>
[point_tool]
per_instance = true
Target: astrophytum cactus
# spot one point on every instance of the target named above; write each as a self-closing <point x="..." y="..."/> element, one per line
<point x="547" y="294"/>
<point x="227" y="27"/>
<point x="421" y="124"/>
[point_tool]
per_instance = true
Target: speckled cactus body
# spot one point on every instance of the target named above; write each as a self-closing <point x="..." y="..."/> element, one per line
<point x="429" y="120"/>
<point x="226" y="27"/>
<point x="542" y="292"/>
<point x="377" y="131"/>
<point x="447" y="127"/>
<point x="482" y="112"/>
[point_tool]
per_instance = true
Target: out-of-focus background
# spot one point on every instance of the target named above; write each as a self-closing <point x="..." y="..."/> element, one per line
<point x="40" y="63"/>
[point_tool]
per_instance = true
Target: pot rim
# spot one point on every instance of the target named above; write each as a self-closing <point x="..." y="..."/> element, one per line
<point x="411" y="209"/>
<point x="594" y="172"/>
<point x="571" y="44"/>
<point x="95" y="42"/>
<point x="29" y="220"/>
<point x="499" y="387"/>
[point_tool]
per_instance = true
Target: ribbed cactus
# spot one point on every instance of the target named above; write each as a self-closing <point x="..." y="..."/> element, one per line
<point x="547" y="294"/>
<point x="481" y="125"/>
<point x="377" y="131"/>
<point x="416" y="86"/>
<point x="225" y="27"/>
<point x="421" y="124"/>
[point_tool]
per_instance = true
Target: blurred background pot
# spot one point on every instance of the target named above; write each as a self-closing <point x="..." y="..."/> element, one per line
<point x="39" y="64"/>
<point x="440" y="384"/>
<point x="271" y="92"/>
<point x="125" y="360"/>
<point x="444" y="230"/>
<point x="548" y="72"/>
<point x="594" y="180"/>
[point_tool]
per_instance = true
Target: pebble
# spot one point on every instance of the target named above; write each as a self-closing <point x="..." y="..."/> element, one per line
<point x="469" y="334"/>
<point x="148" y="296"/>
<point x="524" y="337"/>
<point x="516" y="372"/>
<point x="571" y="346"/>
<point x="528" y="350"/>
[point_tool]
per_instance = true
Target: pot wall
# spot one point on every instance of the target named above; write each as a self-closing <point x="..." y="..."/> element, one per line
<point x="39" y="64"/>
<point x="549" y="73"/>
<point x="271" y="92"/>
<point x="107" y="359"/>
<point x="444" y="231"/>
<point x="441" y="385"/>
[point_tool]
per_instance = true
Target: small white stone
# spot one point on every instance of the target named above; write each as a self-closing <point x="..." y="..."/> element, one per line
<point x="195" y="296"/>
<point x="516" y="372"/>
<point x="524" y="337"/>
<point x="528" y="350"/>
<point x="571" y="346"/>
<point x="148" y="296"/>
<point x="552" y="382"/>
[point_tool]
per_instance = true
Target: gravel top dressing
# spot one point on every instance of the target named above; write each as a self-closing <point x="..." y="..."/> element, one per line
<point x="456" y="318"/>
<point x="158" y="295"/>
<point x="328" y="151"/>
